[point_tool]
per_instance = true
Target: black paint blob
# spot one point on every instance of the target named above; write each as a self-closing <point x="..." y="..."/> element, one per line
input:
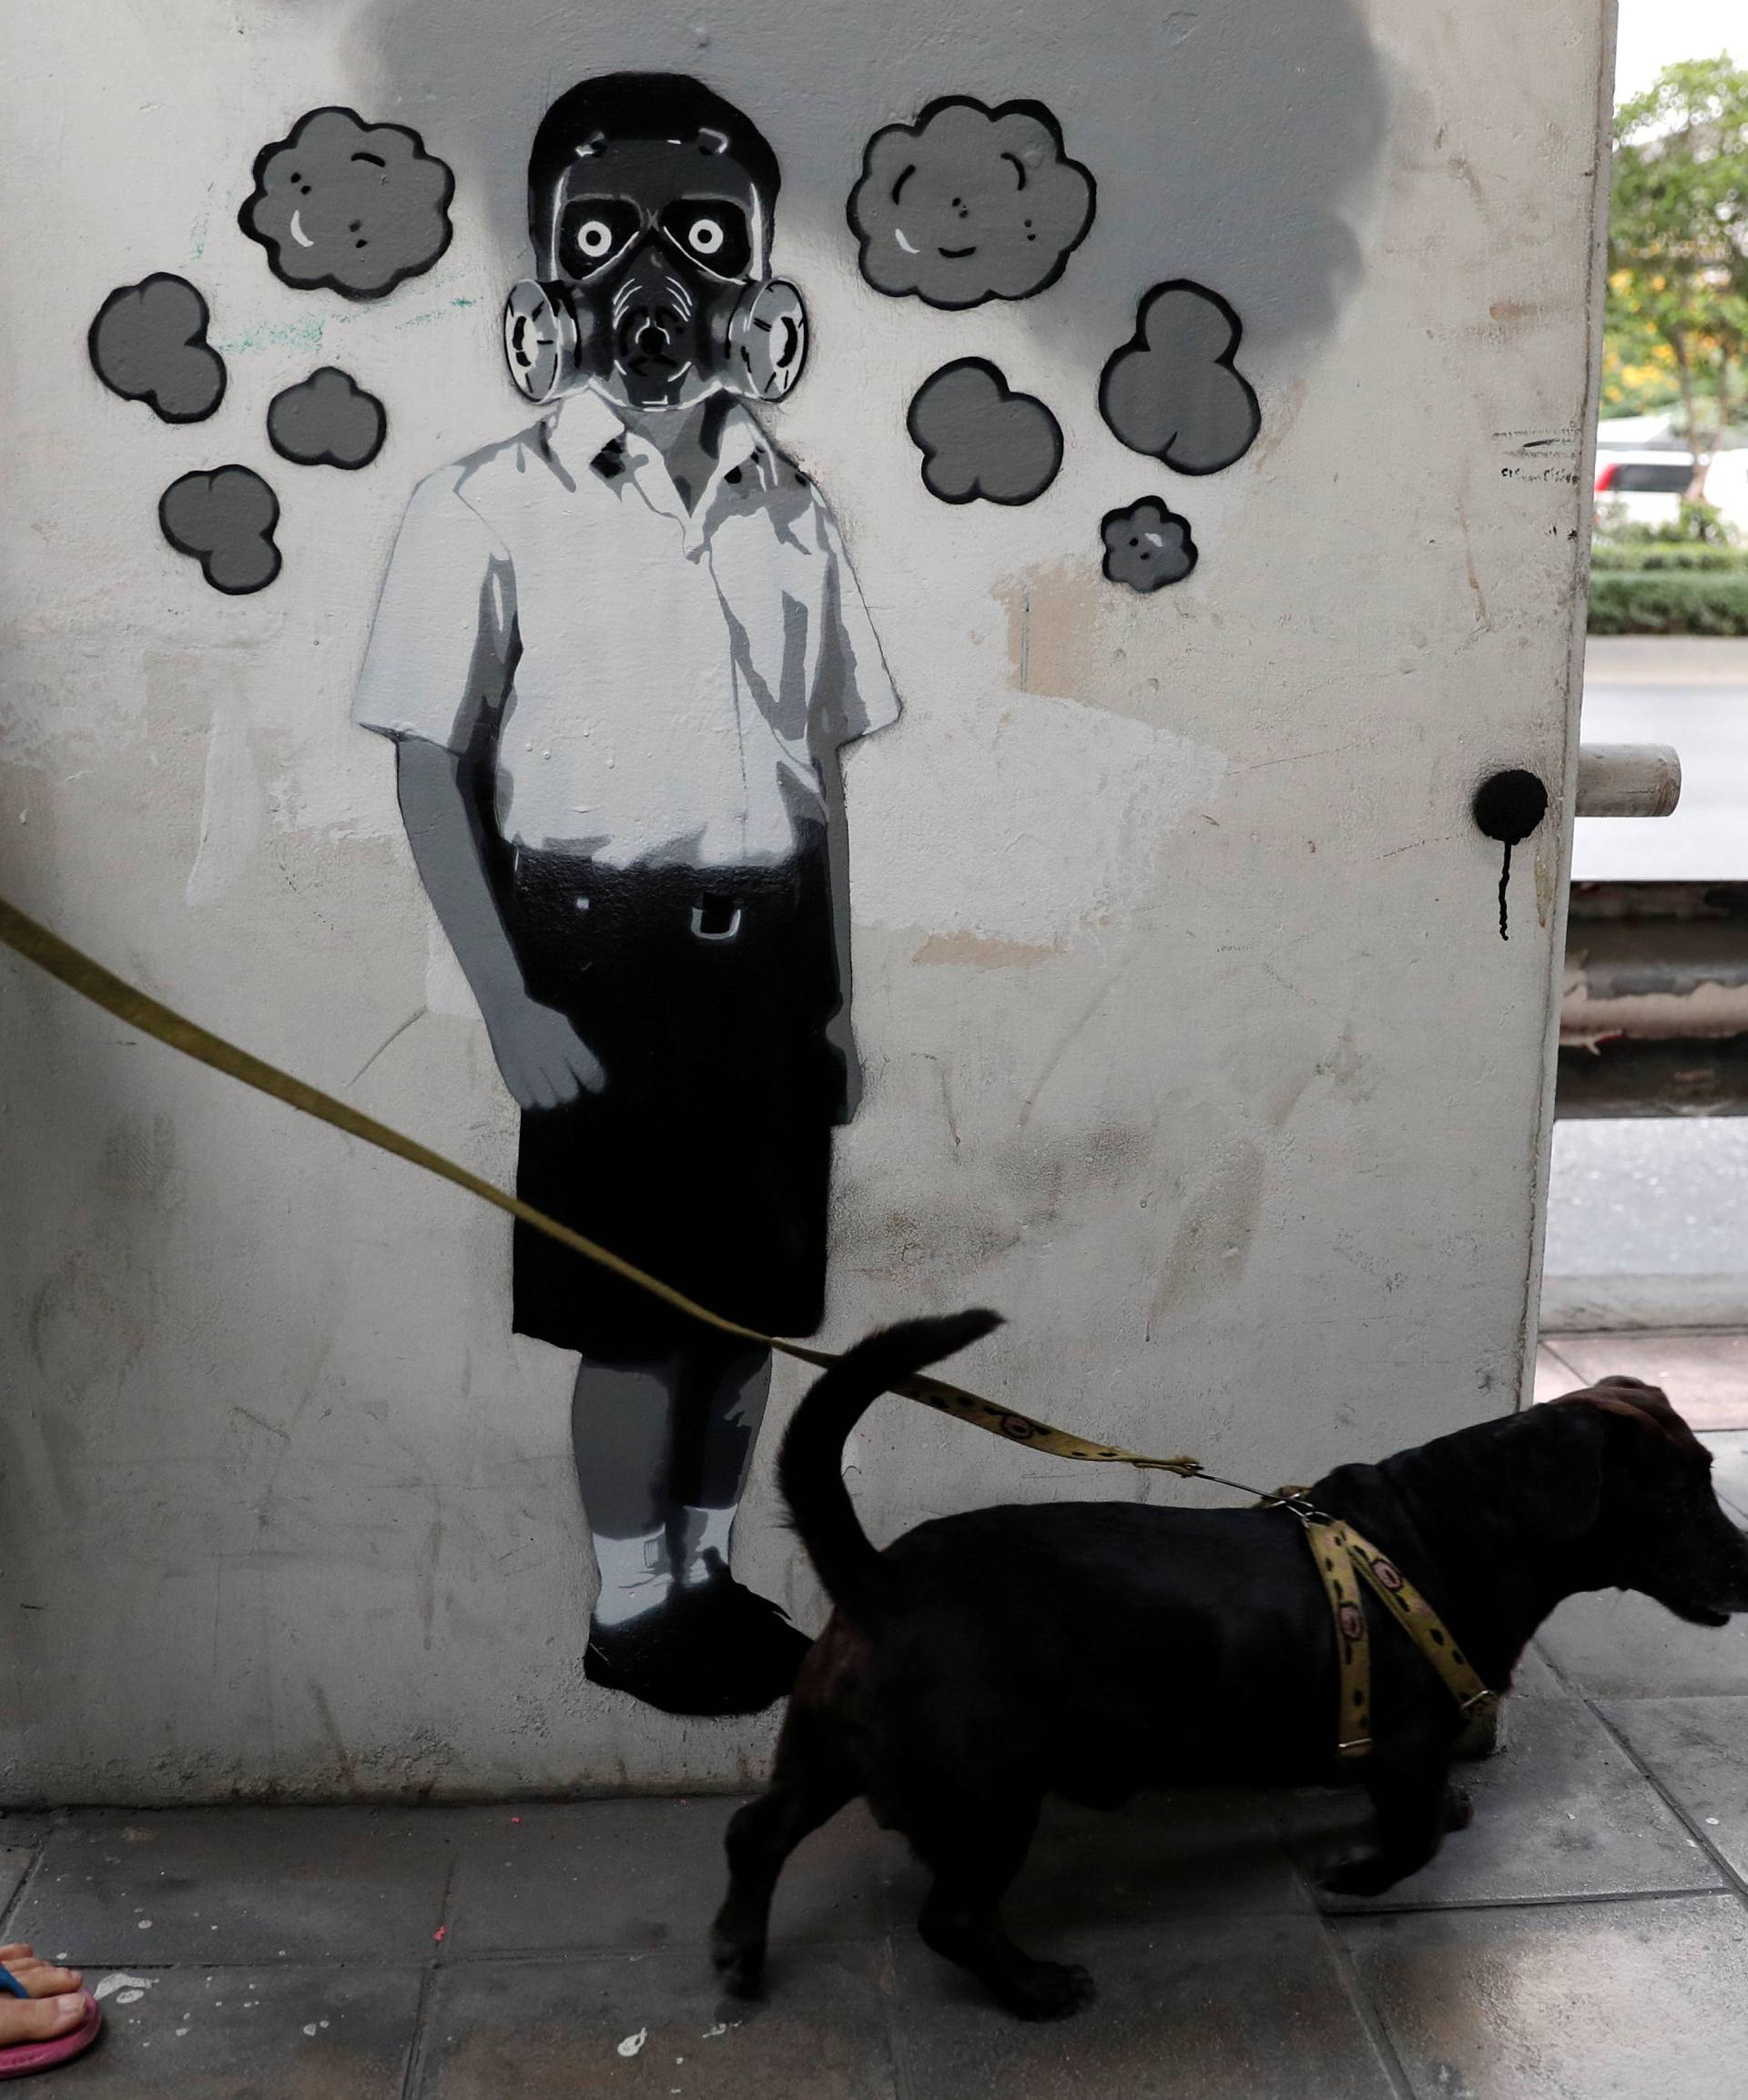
<point x="1508" y="807"/>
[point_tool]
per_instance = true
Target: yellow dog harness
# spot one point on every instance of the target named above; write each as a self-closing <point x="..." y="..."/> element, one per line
<point x="1346" y="1560"/>
<point x="1340" y="1550"/>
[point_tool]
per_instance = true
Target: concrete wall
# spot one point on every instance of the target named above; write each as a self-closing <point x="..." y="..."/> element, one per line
<point x="1190" y="1038"/>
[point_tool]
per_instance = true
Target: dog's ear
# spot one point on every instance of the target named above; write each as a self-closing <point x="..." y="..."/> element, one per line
<point x="1557" y="1468"/>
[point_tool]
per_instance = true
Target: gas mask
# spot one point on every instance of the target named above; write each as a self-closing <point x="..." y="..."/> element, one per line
<point x="654" y="288"/>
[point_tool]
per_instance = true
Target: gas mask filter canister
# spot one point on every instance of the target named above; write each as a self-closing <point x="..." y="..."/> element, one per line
<point x="549" y="340"/>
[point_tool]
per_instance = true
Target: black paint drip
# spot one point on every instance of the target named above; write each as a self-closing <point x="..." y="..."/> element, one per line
<point x="1508" y="807"/>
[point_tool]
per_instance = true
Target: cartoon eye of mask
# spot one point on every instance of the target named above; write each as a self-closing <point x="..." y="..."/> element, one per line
<point x="593" y="231"/>
<point x="712" y="233"/>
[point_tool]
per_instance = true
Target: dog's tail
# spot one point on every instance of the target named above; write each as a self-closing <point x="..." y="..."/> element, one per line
<point x="809" y="1466"/>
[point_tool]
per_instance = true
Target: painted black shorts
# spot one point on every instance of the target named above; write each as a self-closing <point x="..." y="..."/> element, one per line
<point x="707" y="1159"/>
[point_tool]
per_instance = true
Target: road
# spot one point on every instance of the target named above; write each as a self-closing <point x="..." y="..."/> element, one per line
<point x="1661" y="1199"/>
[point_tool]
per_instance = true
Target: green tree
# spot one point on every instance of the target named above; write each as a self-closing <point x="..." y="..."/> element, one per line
<point x="1678" y="243"/>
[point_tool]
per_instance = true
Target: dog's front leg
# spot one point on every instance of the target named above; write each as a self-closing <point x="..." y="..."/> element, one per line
<point x="1414" y="1809"/>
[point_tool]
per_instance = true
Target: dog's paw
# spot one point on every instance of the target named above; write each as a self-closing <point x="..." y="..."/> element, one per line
<point x="1048" y="1991"/>
<point x="740" y="1966"/>
<point x="1367" y="1874"/>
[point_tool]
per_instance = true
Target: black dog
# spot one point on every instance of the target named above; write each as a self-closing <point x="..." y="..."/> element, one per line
<point x="1094" y="1649"/>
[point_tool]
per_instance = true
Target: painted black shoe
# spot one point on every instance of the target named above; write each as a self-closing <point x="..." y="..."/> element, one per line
<point x="716" y="1648"/>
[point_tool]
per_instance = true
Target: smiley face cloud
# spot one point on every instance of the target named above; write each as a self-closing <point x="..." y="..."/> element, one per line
<point x="352" y="206"/>
<point x="1147" y="546"/>
<point x="970" y="203"/>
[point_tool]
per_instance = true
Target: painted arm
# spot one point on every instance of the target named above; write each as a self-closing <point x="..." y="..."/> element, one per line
<point x="542" y="1058"/>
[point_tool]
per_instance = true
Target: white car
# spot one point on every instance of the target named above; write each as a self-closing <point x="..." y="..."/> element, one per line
<point x="1645" y="486"/>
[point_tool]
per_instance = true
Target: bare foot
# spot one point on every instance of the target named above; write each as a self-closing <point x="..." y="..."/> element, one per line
<point x="55" y="2004"/>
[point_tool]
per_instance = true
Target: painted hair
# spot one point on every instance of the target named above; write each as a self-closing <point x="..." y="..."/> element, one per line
<point x="615" y="105"/>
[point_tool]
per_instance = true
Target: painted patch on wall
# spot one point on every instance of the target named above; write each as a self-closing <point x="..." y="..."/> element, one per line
<point x="1174" y="390"/>
<point x="980" y="440"/>
<point x="225" y="521"/>
<point x="617" y="654"/>
<point x="970" y="203"/>
<point x="348" y="206"/>
<point x="148" y="343"/>
<point x="327" y="420"/>
<point x="1147" y="546"/>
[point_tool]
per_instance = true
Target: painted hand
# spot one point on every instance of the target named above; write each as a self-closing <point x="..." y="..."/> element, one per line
<point x="542" y="1058"/>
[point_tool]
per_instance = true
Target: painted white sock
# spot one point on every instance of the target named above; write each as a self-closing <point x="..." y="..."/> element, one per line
<point x="706" y="1531"/>
<point x="635" y="1576"/>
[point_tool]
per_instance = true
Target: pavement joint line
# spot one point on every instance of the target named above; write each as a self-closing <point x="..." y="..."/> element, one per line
<point x="892" y="2017"/>
<point x="1691" y="1824"/>
<point x="1365" y="2010"/>
<point x="27" y="1881"/>
<point x="413" y="2076"/>
<point x="1381" y="1907"/>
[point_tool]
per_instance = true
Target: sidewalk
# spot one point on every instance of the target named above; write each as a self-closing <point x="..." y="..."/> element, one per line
<point x="1705" y="1374"/>
<point x="1586" y="1940"/>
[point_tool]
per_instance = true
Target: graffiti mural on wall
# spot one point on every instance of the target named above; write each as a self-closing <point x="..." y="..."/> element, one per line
<point x="968" y="204"/>
<point x="978" y="439"/>
<point x="618" y="654"/>
<point x="348" y="206"/>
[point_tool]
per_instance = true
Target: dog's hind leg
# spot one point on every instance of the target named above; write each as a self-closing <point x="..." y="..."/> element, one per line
<point x="811" y="1782"/>
<point x="1414" y="1811"/>
<point x="975" y="1849"/>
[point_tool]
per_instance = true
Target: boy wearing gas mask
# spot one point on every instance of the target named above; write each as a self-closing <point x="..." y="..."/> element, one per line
<point x="618" y="655"/>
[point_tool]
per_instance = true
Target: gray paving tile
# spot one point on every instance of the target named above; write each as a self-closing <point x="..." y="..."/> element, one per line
<point x="1160" y="1856"/>
<point x="15" y="1864"/>
<point x="1614" y="1643"/>
<point x="1535" y="1677"/>
<point x="1699" y="1750"/>
<point x="1591" y="2001"/>
<point x="1729" y="1450"/>
<point x="1562" y="1812"/>
<point x="1191" y="2009"/>
<point x="239" y="1884"/>
<point x="551" y="2030"/>
<point x="592" y="1876"/>
<point x="282" y="2032"/>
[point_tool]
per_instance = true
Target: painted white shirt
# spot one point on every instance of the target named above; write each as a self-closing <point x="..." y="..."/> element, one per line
<point x="658" y="685"/>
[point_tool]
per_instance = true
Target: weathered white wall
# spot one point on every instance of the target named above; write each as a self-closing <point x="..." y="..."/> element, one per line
<point x="1190" y="1038"/>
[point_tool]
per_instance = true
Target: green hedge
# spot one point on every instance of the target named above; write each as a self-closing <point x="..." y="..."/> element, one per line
<point x="1649" y="555"/>
<point x="1668" y="602"/>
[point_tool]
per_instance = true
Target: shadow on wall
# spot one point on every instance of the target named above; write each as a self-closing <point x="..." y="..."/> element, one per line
<point x="1242" y="139"/>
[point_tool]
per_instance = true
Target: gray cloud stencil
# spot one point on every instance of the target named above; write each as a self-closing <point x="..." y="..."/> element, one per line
<point x="352" y="206"/>
<point x="968" y="203"/>
<point x="1173" y="390"/>
<point x="977" y="439"/>
<point x="225" y="520"/>
<point x="327" y="420"/>
<point x="149" y="343"/>
<point x="1147" y="546"/>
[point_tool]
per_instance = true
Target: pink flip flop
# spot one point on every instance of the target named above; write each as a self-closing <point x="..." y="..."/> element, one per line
<point x="24" y="2058"/>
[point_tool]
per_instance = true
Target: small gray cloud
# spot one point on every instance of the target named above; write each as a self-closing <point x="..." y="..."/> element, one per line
<point x="149" y="343"/>
<point x="1172" y="390"/>
<point x="1147" y="547"/>
<point x="970" y="203"/>
<point x="979" y="440"/>
<point x="327" y="420"/>
<point x="225" y="520"/>
<point x="352" y="206"/>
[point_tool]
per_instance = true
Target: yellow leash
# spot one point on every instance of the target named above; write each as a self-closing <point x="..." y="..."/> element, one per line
<point x="1336" y="1548"/>
<point x="78" y="971"/>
